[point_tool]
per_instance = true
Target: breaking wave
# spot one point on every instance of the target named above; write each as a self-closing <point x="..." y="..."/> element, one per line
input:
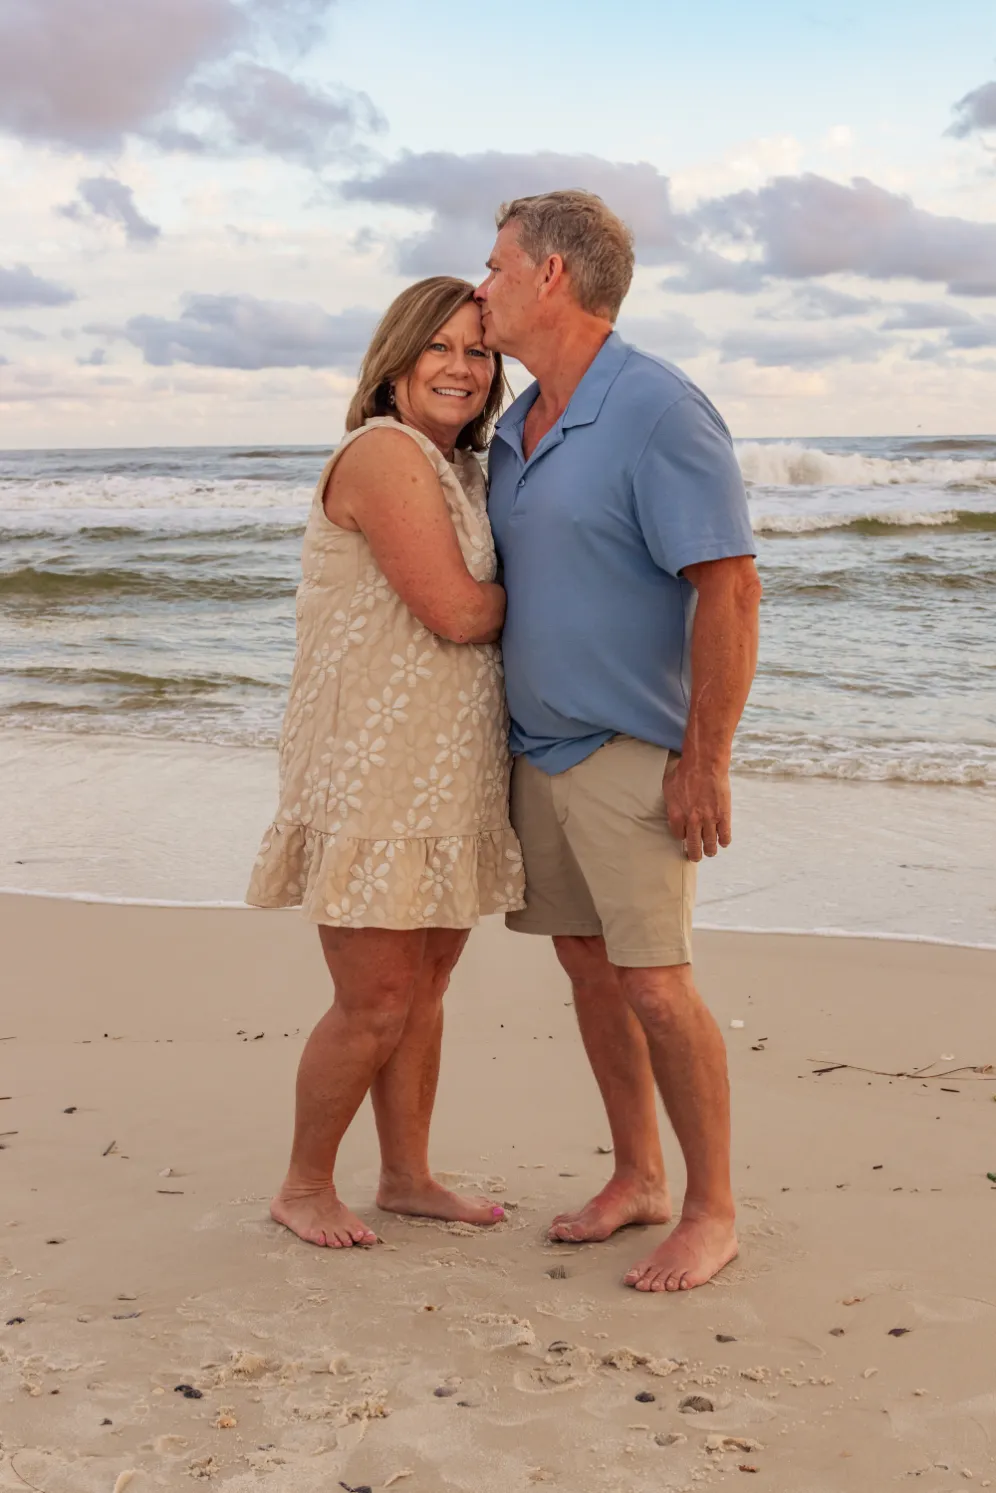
<point x="789" y="464"/>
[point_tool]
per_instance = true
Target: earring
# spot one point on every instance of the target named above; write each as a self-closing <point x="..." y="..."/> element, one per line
<point x="390" y="395"/>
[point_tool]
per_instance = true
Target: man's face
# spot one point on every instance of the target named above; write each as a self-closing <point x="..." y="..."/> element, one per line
<point x="509" y="297"/>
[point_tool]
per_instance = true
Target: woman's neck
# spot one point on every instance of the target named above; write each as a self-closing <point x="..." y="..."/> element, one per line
<point x="443" y="440"/>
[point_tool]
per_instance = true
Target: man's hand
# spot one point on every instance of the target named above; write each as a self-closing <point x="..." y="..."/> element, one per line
<point x="724" y="652"/>
<point x="699" y="807"/>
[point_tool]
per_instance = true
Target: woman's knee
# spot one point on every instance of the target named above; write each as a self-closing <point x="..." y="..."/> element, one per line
<point x="377" y="1008"/>
<point x="443" y="949"/>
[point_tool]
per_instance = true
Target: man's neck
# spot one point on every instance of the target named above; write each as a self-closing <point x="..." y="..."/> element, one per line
<point x="559" y="360"/>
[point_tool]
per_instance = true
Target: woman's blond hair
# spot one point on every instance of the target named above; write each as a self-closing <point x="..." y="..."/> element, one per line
<point x="405" y="331"/>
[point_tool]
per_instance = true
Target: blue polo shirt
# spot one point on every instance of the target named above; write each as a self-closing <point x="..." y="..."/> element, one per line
<point x="636" y="480"/>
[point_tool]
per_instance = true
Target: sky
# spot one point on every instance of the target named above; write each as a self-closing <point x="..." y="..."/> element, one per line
<point x="208" y="203"/>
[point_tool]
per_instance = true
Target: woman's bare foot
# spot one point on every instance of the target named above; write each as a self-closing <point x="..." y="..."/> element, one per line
<point x="320" y="1218"/>
<point x="426" y="1198"/>
<point x="622" y="1201"/>
<point x="696" y="1251"/>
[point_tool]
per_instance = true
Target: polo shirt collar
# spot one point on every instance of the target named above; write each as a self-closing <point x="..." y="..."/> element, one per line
<point x="589" y="396"/>
<point x="587" y="399"/>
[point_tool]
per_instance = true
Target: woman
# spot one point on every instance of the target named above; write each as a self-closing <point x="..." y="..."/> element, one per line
<point x="392" y="830"/>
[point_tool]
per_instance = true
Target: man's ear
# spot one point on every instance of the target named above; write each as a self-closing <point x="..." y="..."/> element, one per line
<point x="552" y="274"/>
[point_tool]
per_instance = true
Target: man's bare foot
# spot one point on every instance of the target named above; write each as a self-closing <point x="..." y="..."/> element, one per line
<point x="426" y="1198"/>
<point x="320" y="1218"/>
<point x="622" y="1201"/>
<point x="696" y="1251"/>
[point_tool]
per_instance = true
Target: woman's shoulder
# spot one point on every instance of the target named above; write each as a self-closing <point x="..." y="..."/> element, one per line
<point x="382" y="444"/>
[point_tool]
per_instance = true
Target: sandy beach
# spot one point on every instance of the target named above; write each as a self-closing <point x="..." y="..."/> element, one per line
<point x="147" y="1063"/>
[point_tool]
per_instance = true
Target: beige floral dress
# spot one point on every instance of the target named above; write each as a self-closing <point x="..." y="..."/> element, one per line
<point x="394" y="760"/>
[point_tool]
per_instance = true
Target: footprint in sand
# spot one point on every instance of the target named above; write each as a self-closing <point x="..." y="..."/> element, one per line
<point x="493" y="1331"/>
<point x="565" y="1366"/>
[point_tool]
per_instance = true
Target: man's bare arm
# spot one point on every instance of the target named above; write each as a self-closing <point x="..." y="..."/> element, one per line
<point x="724" y="657"/>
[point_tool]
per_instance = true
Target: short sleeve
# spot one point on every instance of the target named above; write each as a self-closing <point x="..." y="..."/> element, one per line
<point x="689" y="495"/>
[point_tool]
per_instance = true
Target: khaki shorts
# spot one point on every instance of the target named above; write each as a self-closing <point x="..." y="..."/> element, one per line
<point x="600" y="858"/>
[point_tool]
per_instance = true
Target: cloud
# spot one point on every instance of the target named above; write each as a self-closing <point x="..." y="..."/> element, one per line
<point x="807" y="226"/>
<point x="976" y="112"/>
<point x="26" y="334"/>
<point x="803" y="349"/>
<point x="672" y="335"/>
<point x="239" y="331"/>
<point x="95" y="359"/>
<point x="793" y="228"/>
<point x="820" y="303"/>
<point x="20" y="286"/>
<point x="925" y="316"/>
<point x="262" y="109"/>
<point x="462" y="194"/>
<point x="106" y="197"/>
<point x="85" y="74"/>
<point x="981" y="332"/>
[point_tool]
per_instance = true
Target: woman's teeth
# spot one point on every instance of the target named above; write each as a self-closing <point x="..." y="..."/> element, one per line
<point x="453" y="393"/>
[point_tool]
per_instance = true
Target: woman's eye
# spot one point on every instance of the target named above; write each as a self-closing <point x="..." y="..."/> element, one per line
<point x="478" y="352"/>
<point x="436" y="347"/>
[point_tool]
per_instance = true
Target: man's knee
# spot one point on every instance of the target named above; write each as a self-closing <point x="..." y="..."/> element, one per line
<point x="660" y="994"/>
<point x="583" y="960"/>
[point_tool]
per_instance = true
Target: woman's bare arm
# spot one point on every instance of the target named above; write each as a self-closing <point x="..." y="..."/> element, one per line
<point x="384" y="486"/>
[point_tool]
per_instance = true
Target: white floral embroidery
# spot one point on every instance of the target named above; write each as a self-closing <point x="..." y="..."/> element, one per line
<point x="433" y="790"/>
<point x="366" y="878"/>
<point x="364" y="753"/>
<point x="411" y="666"/>
<point x="455" y="745"/>
<point x="412" y="824"/>
<point x="343" y="795"/>
<point x="476" y="700"/>
<point x="386" y="712"/>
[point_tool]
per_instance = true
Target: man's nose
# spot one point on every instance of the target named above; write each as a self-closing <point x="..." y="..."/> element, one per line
<point x="481" y="293"/>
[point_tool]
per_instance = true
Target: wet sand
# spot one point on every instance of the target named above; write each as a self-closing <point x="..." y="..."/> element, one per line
<point x="147" y="1066"/>
<point x="182" y="821"/>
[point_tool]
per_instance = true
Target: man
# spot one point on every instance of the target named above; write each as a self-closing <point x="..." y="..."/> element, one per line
<point x="630" y="645"/>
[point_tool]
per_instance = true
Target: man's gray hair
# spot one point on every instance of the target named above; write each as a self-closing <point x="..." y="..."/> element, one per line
<point x="595" y="245"/>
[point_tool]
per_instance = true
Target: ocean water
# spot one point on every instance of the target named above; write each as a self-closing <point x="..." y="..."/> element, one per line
<point x="151" y="593"/>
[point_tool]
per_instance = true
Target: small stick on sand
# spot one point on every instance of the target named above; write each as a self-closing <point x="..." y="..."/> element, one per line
<point x="13" y="1468"/>
<point x="985" y="1071"/>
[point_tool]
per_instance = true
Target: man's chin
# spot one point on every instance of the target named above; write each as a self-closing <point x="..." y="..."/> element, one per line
<point x="490" y="338"/>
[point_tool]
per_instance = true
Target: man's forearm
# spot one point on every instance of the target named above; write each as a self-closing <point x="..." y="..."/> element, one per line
<point x="724" y="657"/>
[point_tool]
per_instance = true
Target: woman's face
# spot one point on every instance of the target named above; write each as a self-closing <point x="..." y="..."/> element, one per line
<point x="450" y="383"/>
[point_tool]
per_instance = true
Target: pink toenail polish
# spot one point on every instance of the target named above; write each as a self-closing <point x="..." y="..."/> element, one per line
<point x="497" y="1212"/>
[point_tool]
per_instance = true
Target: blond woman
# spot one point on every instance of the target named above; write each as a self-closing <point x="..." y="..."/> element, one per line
<point x="392" y="830"/>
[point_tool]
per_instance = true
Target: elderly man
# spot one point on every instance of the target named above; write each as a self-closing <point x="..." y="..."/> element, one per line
<point x="630" y="645"/>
